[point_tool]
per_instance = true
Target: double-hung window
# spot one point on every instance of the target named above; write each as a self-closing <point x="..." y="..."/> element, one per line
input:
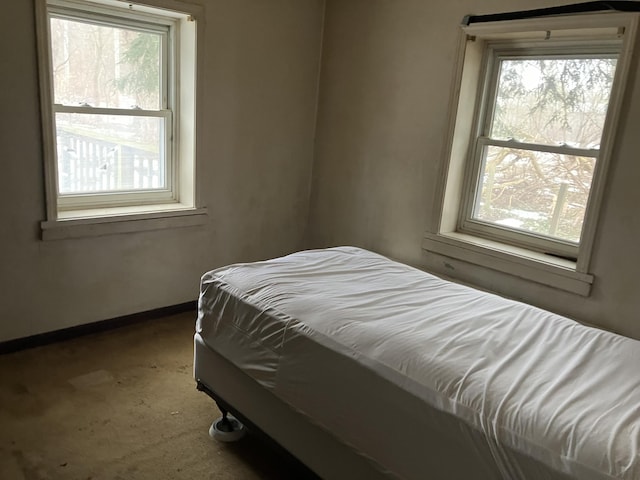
<point x="539" y="132"/>
<point x="533" y="124"/>
<point x="115" y="121"/>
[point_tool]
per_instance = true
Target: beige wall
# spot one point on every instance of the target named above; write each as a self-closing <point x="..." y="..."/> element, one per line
<point x="387" y="70"/>
<point x="386" y="79"/>
<point x="255" y="144"/>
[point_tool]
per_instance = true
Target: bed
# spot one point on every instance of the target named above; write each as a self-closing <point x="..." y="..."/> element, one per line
<point x="366" y="368"/>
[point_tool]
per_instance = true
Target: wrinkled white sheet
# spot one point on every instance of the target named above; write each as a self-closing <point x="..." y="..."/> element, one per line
<point x="314" y="325"/>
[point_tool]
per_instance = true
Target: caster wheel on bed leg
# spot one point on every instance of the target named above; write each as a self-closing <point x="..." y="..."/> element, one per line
<point x="226" y="429"/>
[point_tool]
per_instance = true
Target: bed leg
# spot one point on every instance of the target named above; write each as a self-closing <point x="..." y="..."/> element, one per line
<point x="222" y="409"/>
<point x="226" y="428"/>
<point x="224" y="424"/>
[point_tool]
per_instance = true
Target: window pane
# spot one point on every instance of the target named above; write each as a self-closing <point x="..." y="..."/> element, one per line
<point x="538" y="192"/>
<point x="553" y="101"/>
<point x="105" y="66"/>
<point x="109" y="153"/>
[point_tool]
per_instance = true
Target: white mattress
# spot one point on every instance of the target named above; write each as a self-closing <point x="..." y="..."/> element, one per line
<point x="383" y="355"/>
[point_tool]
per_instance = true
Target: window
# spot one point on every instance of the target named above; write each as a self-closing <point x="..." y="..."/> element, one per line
<point x="116" y="126"/>
<point x="112" y="108"/>
<point x="533" y="162"/>
<point x="531" y="138"/>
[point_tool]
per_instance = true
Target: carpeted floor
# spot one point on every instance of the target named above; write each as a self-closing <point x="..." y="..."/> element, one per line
<point x="120" y="405"/>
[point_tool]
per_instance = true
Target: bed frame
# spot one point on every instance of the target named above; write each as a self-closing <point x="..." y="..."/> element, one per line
<point x="276" y="374"/>
<point x="264" y="414"/>
<point x="323" y="453"/>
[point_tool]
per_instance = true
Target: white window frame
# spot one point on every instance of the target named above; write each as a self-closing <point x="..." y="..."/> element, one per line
<point x="494" y="53"/>
<point x="451" y="233"/>
<point x="163" y="26"/>
<point x="76" y="215"/>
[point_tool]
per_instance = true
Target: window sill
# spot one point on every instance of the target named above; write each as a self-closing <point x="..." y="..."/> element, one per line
<point x="109" y="221"/>
<point x="529" y="265"/>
